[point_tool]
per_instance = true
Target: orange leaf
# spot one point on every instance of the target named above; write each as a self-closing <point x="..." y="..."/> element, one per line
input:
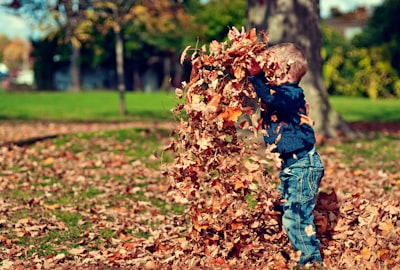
<point x="239" y="72"/>
<point x="51" y="206"/>
<point x="196" y="224"/>
<point x="382" y="253"/>
<point x="238" y="183"/>
<point x="217" y="261"/>
<point x="48" y="161"/>
<point x="214" y="102"/>
<point x="231" y="114"/>
<point x="365" y="253"/>
<point x="252" y="35"/>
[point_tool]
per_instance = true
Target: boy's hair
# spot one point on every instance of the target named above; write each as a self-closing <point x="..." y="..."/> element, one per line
<point x="290" y="57"/>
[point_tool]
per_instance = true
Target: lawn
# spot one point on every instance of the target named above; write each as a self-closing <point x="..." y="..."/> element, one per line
<point x="85" y="106"/>
<point x="104" y="106"/>
<point x="363" y="109"/>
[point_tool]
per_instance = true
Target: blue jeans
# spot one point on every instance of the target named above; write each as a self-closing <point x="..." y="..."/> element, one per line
<point x="299" y="187"/>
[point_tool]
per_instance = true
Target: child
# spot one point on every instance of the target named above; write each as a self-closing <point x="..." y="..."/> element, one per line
<point x="290" y="134"/>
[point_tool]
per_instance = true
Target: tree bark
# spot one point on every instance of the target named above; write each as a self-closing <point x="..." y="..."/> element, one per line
<point x="298" y="21"/>
<point x="119" y="52"/>
<point x="166" y="81"/>
<point x="75" y="69"/>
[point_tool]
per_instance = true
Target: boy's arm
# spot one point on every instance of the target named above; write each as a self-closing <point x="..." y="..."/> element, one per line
<point x="263" y="91"/>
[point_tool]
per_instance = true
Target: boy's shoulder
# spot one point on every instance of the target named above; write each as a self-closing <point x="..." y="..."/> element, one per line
<point x="290" y="86"/>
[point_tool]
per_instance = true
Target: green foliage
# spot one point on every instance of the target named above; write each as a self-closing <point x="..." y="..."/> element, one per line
<point x="383" y="28"/>
<point x="369" y="64"/>
<point x="358" y="71"/>
<point x="217" y="15"/>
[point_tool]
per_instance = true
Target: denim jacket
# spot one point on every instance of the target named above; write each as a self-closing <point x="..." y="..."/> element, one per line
<point x="281" y="109"/>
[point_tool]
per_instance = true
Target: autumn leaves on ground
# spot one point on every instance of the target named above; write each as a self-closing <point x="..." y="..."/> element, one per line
<point x="99" y="201"/>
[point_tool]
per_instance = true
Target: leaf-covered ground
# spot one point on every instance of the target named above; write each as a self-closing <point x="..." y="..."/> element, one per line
<point x="99" y="201"/>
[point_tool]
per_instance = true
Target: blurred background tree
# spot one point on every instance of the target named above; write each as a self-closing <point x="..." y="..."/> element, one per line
<point x="368" y="64"/>
<point x="298" y="21"/>
<point x="136" y="44"/>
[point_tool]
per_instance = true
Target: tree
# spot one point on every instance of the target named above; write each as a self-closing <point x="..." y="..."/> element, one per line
<point x="69" y="15"/>
<point x="162" y="27"/>
<point x="3" y="43"/>
<point x="216" y="15"/>
<point x="52" y="16"/>
<point x="16" y="54"/>
<point x="298" y="21"/>
<point x="382" y="28"/>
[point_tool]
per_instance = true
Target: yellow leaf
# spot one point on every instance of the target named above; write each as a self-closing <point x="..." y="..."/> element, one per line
<point x="386" y="227"/>
<point x="381" y="253"/>
<point x="365" y="253"/>
<point x="51" y="206"/>
<point x="48" y="161"/>
<point x="24" y="220"/>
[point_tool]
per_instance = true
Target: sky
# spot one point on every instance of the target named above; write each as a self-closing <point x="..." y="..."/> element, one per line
<point x="13" y="26"/>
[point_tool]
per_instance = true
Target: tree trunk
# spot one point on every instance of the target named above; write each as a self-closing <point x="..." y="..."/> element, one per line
<point x="119" y="52"/>
<point x="166" y="81"/>
<point x="298" y="21"/>
<point x="75" y="69"/>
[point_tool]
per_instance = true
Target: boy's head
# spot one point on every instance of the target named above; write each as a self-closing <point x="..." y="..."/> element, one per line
<point x="290" y="58"/>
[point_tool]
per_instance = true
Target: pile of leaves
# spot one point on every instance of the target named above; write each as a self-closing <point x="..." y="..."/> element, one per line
<point x="217" y="171"/>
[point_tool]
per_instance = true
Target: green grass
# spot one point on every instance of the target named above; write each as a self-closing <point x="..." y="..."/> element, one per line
<point x="379" y="151"/>
<point x="363" y="109"/>
<point x="85" y="106"/>
<point x="104" y="106"/>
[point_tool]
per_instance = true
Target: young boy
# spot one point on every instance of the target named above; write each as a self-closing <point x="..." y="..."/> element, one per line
<point x="290" y="134"/>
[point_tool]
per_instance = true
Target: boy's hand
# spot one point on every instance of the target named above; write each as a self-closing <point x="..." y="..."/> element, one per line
<point x="253" y="67"/>
<point x="304" y="119"/>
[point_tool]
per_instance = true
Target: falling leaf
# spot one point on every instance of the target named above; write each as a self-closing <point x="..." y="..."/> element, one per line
<point x="178" y="92"/>
<point x="309" y="230"/>
<point x="184" y="53"/>
<point x="231" y="114"/>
